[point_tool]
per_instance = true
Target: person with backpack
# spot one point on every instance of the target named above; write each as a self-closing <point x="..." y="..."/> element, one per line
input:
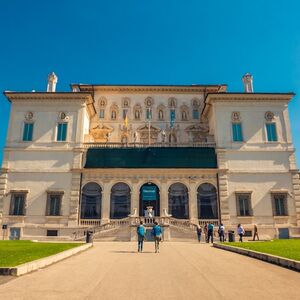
<point x="157" y="234"/>
<point x="199" y="232"/>
<point x="240" y="232"/>
<point x="221" y="232"/>
<point x="141" y="236"/>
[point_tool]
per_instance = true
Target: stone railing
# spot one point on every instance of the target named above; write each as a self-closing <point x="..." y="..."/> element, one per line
<point x="188" y="225"/>
<point x="145" y="145"/>
<point x="95" y="226"/>
<point x="164" y="221"/>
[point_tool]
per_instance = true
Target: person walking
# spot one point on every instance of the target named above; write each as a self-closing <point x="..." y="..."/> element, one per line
<point x="205" y="232"/>
<point x="199" y="232"/>
<point x="221" y="232"/>
<point x="210" y="232"/>
<point x="255" y="233"/>
<point x="141" y="236"/>
<point x="241" y="232"/>
<point x="157" y="233"/>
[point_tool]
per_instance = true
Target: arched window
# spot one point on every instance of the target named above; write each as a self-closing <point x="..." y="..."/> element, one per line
<point x="207" y="201"/>
<point x="161" y="115"/>
<point x="179" y="201"/>
<point x="120" y="201"/>
<point x="113" y="115"/>
<point x="91" y="201"/>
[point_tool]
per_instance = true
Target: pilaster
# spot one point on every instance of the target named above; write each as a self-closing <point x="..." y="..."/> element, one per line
<point x="134" y="198"/>
<point x="193" y="211"/>
<point x="164" y="200"/>
<point x="74" y="199"/>
<point x="105" y="202"/>
<point x="296" y="190"/>
<point x="223" y="196"/>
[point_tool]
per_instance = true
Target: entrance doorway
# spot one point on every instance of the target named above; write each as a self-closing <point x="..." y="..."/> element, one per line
<point x="149" y="196"/>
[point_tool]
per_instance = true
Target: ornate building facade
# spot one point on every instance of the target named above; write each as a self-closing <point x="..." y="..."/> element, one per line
<point x="102" y="154"/>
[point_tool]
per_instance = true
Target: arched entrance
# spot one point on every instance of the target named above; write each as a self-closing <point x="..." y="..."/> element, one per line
<point x="120" y="201"/>
<point x="149" y="196"/>
<point x="207" y="201"/>
<point x="91" y="201"/>
<point x="179" y="201"/>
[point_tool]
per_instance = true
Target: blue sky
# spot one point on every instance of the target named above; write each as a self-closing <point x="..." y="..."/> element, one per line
<point x="150" y="42"/>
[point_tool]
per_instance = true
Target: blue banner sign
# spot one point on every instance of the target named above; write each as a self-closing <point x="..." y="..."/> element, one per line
<point x="149" y="193"/>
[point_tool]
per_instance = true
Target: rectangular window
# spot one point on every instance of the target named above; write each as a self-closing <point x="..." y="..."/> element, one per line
<point x="237" y="134"/>
<point x="124" y="113"/>
<point x="244" y="204"/>
<point x="195" y="114"/>
<point x="51" y="232"/>
<point x="27" y="132"/>
<point x="101" y="114"/>
<point x="53" y="204"/>
<point x="280" y="204"/>
<point x="149" y="114"/>
<point x="62" y="132"/>
<point x="17" y="204"/>
<point x="271" y="132"/>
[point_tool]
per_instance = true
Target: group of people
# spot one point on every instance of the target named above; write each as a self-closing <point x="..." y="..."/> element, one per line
<point x="209" y="232"/>
<point x="156" y="232"/>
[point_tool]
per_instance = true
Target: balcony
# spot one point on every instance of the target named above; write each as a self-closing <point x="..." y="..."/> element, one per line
<point x="146" y="145"/>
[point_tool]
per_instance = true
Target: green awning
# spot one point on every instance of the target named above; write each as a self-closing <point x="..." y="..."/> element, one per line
<point x="152" y="157"/>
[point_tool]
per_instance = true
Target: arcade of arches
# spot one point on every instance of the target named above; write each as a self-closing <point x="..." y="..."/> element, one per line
<point x="119" y="200"/>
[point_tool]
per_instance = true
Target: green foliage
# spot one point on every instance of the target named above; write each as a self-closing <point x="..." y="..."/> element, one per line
<point x="14" y="253"/>
<point x="285" y="248"/>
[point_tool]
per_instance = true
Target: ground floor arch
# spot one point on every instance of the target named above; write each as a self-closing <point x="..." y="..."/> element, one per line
<point x="149" y="196"/>
<point x="91" y="200"/>
<point x="120" y="201"/>
<point x="178" y="201"/>
<point x="207" y="201"/>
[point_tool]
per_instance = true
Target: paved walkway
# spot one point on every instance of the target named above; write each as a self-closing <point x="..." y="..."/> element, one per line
<point x="113" y="270"/>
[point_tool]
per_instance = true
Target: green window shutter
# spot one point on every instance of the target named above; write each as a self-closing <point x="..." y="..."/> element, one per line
<point x="271" y="132"/>
<point x="62" y="132"/>
<point x="27" y="132"/>
<point x="237" y="134"/>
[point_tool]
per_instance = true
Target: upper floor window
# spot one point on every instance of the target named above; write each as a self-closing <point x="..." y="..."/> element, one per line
<point x="149" y="114"/>
<point x="161" y="115"/>
<point x="54" y="204"/>
<point x="243" y="201"/>
<point x="195" y="114"/>
<point x="271" y="132"/>
<point x="101" y="114"/>
<point x="17" y="204"/>
<point x="27" y="131"/>
<point x="279" y="204"/>
<point x="237" y="134"/>
<point x="62" y="132"/>
<point x="113" y="115"/>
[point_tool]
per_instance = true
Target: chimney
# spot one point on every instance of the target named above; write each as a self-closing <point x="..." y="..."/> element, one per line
<point x="52" y="80"/>
<point x="248" y="83"/>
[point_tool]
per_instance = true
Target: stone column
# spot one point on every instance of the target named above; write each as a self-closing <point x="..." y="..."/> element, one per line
<point x="105" y="209"/>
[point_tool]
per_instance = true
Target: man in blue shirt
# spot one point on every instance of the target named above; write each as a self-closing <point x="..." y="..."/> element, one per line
<point x="141" y="236"/>
<point x="210" y="232"/>
<point x="157" y="233"/>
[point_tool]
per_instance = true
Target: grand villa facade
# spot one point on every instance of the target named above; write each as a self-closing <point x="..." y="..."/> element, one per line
<point x="103" y="156"/>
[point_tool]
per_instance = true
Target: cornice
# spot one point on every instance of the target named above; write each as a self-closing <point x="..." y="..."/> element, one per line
<point x="84" y="96"/>
<point x="193" y="89"/>
<point x="245" y="97"/>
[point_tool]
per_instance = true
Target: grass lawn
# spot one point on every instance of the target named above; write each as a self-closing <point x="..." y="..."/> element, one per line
<point x="285" y="248"/>
<point x="14" y="253"/>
